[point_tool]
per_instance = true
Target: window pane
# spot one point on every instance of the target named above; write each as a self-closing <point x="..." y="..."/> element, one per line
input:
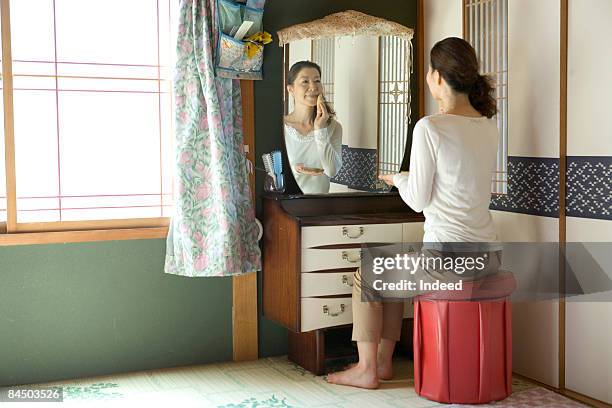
<point x="33" y="75"/>
<point x="32" y="30"/>
<point x="35" y="151"/>
<point x="488" y="33"/>
<point x="2" y="151"/>
<point x="117" y="31"/>
<point x="109" y="207"/>
<point x="38" y="215"/>
<point x="2" y="163"/>
<point x="107" y="71"/>
<point x="98" y="84"/>
<point x="167" y="163"/>
<point x="93" y="128"/>
<point x="394" y="103"/>
<point x="110" y="213"/>
<point x="110" y="157"/>
<point x="323" y="53"/>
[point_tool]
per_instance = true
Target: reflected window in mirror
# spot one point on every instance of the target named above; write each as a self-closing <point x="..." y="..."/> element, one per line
<point x="486" y="29"/>
<point x="394" y="101"/>
<point x="323" y="54"/>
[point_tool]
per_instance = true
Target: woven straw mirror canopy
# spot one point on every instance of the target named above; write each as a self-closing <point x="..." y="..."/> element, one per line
<point x="346" y="23"/>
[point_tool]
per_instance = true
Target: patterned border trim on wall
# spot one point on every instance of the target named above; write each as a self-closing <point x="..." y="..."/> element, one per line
<point x="358" y="169"/>
<point x="533" y="187"/>
<point x="533" y="183"/>
<point x="589" y="187"/>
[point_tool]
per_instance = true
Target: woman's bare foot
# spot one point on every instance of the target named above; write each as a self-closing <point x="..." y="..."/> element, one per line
<point x="356" y="376"/>
<point x="384" y="370"/>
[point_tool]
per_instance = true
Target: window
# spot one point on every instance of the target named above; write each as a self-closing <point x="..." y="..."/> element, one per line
<point x="323" y="52"/>
<point x="486" y="28"/>
<point x="394" y="102"/>
<point x="92" y="103"/>
<point x="2" y="166"/>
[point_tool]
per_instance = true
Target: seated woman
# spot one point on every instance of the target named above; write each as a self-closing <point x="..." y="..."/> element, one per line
<point x="453" y="156"/>
<point x="312" y="137"/>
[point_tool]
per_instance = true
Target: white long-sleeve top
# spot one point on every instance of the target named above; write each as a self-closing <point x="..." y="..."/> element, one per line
<point x="451" y="164"/>
<point x="321" y="148"/>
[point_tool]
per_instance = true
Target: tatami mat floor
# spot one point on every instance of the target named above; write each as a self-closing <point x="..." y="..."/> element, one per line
<point x="268" y="382"/>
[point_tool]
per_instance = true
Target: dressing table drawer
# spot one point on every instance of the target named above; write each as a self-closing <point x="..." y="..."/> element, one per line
<point x="324" y="284"/>
<point x="325" y="259"/>
<point x="350" y="234"/>
<point x="318" y="313"/>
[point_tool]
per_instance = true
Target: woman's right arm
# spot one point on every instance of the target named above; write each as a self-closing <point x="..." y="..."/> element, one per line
<point x="416" y="186"/>
<point x="329" y="148"/>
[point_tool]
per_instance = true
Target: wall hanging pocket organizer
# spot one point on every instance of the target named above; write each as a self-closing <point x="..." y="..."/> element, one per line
<point x="240" y="58"/>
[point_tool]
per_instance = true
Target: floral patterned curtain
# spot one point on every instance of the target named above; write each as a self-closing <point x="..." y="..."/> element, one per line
<point x="213" y="231"/>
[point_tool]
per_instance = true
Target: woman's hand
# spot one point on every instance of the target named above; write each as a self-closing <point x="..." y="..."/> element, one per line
<point x="322" y="115"/>
<point x="309" y="171"/>
<point x="388" y="178"/>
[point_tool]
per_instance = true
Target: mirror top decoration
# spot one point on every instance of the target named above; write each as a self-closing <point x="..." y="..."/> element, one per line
<point x="355" y="69"/>
<point x="345" y="23"/>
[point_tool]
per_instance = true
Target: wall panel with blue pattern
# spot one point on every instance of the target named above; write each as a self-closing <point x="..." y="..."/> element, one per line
<point x="358" y="169"/>
<point x="533" y="183"/>
<point x="589" y="187"/>
<point x="533" y="187"/>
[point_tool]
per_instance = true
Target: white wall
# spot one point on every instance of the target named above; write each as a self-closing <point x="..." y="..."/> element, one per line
<point x="533" y="77"/>
<point x="589" y="78"/>
<point x="356" y="90"/>
<point x="589" y="324"/>
<point x="533" y="131"/>
<point x="443" y="18"/>
<point x="588" y="356"/>
<point x="535" y="325"/>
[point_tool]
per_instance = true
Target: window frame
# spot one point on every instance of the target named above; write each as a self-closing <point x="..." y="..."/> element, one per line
<point x="390" y="50"/>
<point x="322" y="52"/>
<point x="502" y="184"/>
<point x="14" y="233"/>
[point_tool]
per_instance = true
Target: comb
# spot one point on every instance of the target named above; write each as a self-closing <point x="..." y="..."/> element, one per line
<point x="277" y="162"/>
<point x="268" y="164"/>
<point x="277" y="166"/>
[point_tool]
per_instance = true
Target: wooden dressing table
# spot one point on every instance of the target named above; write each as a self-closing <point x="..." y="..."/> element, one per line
<point x="311" y="250"/>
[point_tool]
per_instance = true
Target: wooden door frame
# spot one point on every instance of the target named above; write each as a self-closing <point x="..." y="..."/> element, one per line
<point x="244" y="288"/>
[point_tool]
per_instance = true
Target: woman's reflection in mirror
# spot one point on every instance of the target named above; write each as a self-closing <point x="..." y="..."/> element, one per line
<point x="313" y="137"/>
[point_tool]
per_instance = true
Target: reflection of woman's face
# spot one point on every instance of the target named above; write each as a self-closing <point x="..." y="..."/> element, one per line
<point x="306" y="87"/>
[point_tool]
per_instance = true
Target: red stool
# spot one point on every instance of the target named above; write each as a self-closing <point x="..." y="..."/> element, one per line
<point x="463" y="342"/>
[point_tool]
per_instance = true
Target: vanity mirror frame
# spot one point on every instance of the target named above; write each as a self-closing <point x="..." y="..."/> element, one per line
<point x="348" y="23"/>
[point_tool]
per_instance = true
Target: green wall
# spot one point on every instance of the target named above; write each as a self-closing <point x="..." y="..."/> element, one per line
<point x="87" y="309"/>
<point x="95" y="308"/>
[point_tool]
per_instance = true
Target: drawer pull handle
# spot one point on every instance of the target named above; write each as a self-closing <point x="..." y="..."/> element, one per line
<point x="345" y="233"/>
<point x="346" y="257"/>
<point x="327" y="312"/>
<point x="345" y="281"/>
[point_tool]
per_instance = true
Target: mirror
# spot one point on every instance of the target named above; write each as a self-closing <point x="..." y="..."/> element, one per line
<point x="364" y="81"/>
